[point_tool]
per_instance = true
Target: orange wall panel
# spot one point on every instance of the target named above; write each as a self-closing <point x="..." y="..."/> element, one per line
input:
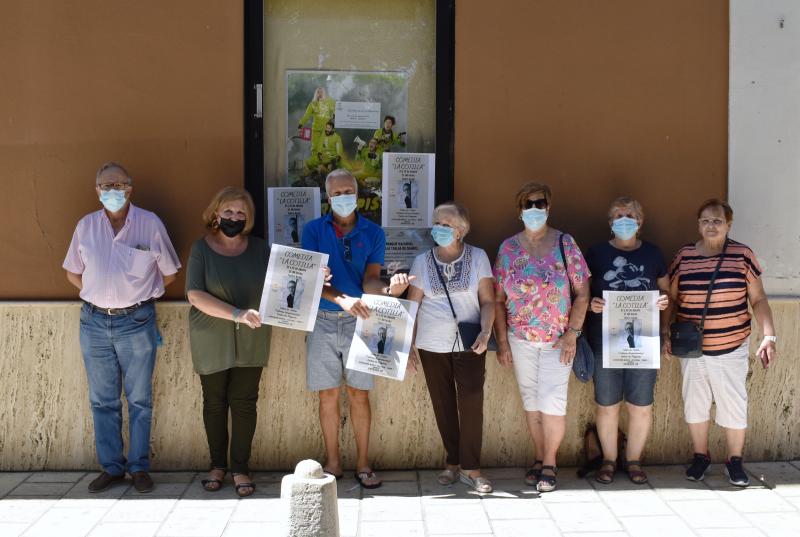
<point x="597" y="99"/>
<point x="156" y="86"/>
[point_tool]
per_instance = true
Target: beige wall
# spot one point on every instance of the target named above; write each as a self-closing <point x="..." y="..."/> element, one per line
<point x="45" y="420"/>
<point x="156" y="86"/>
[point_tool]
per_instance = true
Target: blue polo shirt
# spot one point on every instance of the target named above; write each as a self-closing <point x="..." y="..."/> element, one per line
<point x="349" y="255"/>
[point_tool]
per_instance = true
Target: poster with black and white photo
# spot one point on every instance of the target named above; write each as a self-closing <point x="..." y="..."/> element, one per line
<point x="631" y="330"/>
<point x="402" y="246"/>
<point x="288" y="211"/>
<point x="381" y="343"/>
<point x="408" y="189"/>
<point x="292" y="288"/>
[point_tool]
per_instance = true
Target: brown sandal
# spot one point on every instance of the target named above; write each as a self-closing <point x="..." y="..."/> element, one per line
<point x="637" y="477"/>
<point x="605" y="474"/>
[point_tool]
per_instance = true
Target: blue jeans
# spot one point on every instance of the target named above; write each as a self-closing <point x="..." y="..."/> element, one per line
<point x="120" y="349"/>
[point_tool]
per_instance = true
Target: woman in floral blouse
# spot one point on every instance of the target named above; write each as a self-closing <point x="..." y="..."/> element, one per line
<point x="537" y="323"/>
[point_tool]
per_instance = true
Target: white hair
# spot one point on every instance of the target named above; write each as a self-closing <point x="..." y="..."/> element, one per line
<point x="340" y="172"/>
<point x="114" y="166"/>
<point x="458" y="212"/>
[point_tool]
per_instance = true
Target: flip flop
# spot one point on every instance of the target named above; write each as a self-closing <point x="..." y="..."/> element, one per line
<point x="478" y="484"/>
<point x="362" y="477"/>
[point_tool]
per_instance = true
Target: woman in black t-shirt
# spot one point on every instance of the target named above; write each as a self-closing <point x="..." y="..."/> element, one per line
<point x="624" y="263"/>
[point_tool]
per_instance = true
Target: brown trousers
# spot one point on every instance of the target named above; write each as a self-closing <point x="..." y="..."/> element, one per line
<point x="455" y="383"/>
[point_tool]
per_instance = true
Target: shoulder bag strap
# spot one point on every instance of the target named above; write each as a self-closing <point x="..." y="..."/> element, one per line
<point x="441" y="279"/>
<point x="566" y="264"/>
<point x="711" y="284"/>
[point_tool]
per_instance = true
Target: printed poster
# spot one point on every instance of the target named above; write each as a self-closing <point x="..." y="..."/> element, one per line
<point x="344" y="119"/>
<point x="292" y="288"/>
<point x="408" y="189"/>
<point x="631" y="330"/>
<point x="288" y="211"/>
<point x="381" y="343"/>
<point x="402" y="246"/>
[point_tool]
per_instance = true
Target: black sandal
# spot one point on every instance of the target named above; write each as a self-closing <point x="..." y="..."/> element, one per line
<point x="533" y="473"/>
<point x="211" y="481"/>
<point x="605" y="474"/>
<point x="242" y="488"/>
<point x="547" y="483"/>
<point x="638" y="477"/>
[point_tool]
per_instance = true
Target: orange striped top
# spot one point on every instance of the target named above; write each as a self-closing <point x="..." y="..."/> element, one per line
<point x="727" y="323"/>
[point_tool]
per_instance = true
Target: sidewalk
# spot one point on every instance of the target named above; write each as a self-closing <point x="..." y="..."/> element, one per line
<point x="411" y="504"/>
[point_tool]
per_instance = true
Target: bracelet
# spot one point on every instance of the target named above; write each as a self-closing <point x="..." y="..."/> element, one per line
<point x="236" y="312"/>
<point x="773" y="339"/>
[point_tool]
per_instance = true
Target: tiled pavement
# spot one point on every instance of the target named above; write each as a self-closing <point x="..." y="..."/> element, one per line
<point x="412" y="503"/>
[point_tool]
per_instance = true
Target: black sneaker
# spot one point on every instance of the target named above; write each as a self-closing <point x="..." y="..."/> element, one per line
<point x="697" y="471"/>
<point x="736" y="474"/>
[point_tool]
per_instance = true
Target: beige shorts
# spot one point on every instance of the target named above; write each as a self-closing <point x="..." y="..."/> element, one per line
<point x="542" y="378"/>
<point x="721" y="379"/>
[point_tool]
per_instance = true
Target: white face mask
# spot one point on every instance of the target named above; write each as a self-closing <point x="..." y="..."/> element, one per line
<point x="534" y="218"/>
<point x="344" y="204"/>
<point x="112" y="200"/>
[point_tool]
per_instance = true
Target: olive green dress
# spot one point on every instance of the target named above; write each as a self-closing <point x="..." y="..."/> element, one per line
<point x="216" y="344"/>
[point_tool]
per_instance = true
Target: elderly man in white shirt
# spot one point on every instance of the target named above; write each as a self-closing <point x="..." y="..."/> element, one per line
<point x="121" y="259"/>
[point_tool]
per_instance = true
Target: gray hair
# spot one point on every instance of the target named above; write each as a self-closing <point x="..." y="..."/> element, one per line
<point x="115" y="166"/>
<point x="458" y="211"/>
<point x="337" y="173"/>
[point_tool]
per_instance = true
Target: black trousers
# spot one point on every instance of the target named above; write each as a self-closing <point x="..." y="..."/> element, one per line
<point x="455" y="383"/>
<point x="234" y="389"/>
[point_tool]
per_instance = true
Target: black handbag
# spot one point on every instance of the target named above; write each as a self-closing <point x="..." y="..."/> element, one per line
<point x="467" y="331"/>
<point x="583" y="363"/>
<point x="685" y="337"/>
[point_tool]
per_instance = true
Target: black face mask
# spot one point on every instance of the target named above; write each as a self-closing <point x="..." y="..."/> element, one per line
<point x="231" y="228"/>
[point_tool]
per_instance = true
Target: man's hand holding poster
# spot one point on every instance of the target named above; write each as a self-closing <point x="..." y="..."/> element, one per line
<point x="381" y="343"/>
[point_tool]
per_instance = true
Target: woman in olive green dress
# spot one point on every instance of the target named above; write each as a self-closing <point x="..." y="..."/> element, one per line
<point x="225" y="276"/>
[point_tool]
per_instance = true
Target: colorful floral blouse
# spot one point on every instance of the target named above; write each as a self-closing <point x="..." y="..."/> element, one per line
<point x="537" y="292"/>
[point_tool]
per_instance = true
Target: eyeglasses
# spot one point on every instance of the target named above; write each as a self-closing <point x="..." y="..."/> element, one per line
<point x="540" y="203"/>
<point x="107" y="187"/>
<point x="716" y="222"/>
<point x="348" y="253"/>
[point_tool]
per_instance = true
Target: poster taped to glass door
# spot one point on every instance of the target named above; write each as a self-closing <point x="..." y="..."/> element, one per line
<point x="344" y="119"/>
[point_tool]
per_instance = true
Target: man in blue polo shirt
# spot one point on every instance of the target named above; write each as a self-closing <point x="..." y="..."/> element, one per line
<point x="355" y="247"/>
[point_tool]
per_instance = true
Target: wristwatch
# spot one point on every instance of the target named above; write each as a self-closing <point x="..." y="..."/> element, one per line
<point x="773" y="339"/>
<point x="577" y="332"/>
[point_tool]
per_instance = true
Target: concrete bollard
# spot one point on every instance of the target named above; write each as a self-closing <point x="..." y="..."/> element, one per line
<point x="309" y="497"/>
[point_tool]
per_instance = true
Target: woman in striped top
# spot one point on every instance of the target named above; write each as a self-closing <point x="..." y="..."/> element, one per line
<point x="720" y="373"/>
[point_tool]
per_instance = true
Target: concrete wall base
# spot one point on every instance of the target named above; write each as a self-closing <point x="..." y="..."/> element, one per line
<point x="46" y="424"/>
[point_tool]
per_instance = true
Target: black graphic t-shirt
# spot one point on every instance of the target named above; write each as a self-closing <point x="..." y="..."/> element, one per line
<point x="621" y="270"/>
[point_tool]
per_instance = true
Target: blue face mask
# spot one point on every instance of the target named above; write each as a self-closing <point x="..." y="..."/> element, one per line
<point x="112" y="200"/>
<point x="625" y="228"/>
<point x="534" y="218"/>
<point x="344" y="204"/>
<point x="443" y="235"/>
